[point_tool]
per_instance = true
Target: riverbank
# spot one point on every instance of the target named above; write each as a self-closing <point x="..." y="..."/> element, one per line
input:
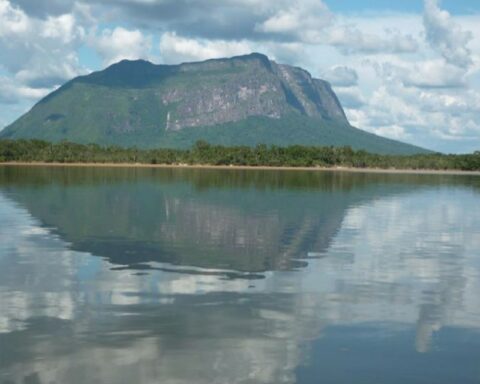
<point x="259" y="157"/>
<point x="245" y="167"/>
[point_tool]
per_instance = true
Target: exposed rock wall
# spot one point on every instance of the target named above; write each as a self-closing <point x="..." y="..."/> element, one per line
<point x="229" y="90"/>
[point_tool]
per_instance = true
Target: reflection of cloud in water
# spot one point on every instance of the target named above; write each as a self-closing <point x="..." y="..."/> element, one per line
<point x="401" y="261"/>
<point x="418" y="253"/>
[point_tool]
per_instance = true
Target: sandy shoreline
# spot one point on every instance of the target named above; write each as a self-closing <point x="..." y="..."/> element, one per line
<point x="246" y="167"/>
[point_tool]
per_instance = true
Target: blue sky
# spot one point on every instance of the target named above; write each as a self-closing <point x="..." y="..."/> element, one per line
<point x="455" y="7"/>
<point x="408" y="70"/>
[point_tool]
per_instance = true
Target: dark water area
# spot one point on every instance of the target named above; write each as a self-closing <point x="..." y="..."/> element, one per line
<point x="131" y="275"/>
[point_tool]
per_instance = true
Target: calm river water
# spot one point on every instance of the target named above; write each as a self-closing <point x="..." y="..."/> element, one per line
<point x="238" y="276"/>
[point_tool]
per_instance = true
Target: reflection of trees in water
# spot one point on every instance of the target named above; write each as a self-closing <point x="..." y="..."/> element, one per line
<point x="241" y="228"/>
<point x="243" y="220"/>
<point x="228" y="179"/>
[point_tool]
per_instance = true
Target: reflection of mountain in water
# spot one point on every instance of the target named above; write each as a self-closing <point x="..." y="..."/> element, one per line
<point x="241" y="220"/>
<point x="91" y="323"/>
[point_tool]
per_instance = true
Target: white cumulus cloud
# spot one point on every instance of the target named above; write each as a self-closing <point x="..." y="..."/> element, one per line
<point x="39" y="52"/>
<point x="341" y="76"/>
<point x="12" y="92"/>
<point x="351" y="98"/>
<point x="297" y="17"/>
<point x="351" y="39"/>
<point x="174" y="48"/>
<point x="426" y="74"/>
<point x="120" y="43"/>
<point x="446" y="36"/>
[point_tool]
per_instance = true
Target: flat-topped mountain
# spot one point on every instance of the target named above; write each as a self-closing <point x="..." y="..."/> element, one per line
<point x="244" y="100"/>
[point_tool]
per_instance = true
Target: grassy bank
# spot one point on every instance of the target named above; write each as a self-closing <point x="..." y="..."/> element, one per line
<point x="28" y="151"/>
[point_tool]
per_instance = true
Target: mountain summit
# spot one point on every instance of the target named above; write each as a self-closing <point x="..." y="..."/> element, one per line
<point x="243" y="100"/>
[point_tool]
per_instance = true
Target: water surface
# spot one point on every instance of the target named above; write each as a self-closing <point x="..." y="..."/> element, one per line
<point x="218" y="276"/>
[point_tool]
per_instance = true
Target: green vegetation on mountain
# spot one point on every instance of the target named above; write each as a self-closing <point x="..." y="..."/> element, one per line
<point x="245" y="100"/>
<point x="207" y="154"/>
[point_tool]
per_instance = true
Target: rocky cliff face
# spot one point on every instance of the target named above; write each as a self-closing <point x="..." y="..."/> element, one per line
<point x="224" y="91"/>
<point x="312" y="97"/>
<point x="229" y="90"/>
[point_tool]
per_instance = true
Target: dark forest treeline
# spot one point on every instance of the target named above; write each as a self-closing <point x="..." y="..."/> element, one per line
<point x="204" y="153"/>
